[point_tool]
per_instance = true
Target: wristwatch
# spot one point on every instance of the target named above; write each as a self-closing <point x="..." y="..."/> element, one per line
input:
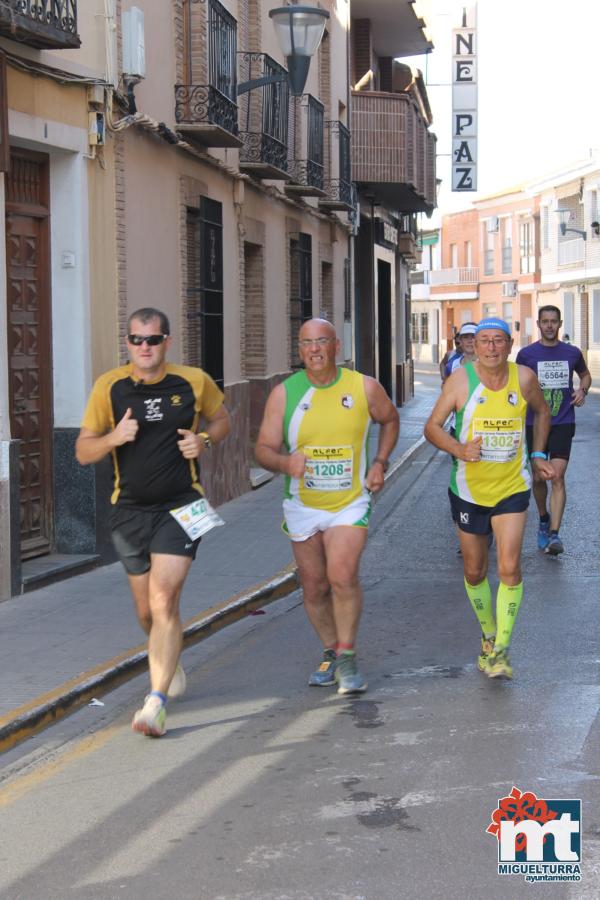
<point x="206" y="440"/>
<point x="384" y="462"/>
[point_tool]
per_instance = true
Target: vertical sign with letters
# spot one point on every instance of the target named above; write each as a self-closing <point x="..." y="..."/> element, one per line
<point x="4" y="137"/>
<point x="464" y="103"/>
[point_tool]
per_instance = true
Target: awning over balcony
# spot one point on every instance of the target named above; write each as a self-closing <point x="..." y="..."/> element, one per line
<point x="396" y="28"/>
<point x="393" y="152"/>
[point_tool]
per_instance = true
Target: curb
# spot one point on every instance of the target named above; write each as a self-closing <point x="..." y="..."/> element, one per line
<point x="28" y="720"/>
<point x="32" y="718"/>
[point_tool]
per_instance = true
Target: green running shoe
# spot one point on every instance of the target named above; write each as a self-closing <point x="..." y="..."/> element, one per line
<point x="487" y="647"/>
<point x="150" y="720"/>
<point x="498" y="665"/>
<point x="324" y="675"/>
<point x="349" y="679"/>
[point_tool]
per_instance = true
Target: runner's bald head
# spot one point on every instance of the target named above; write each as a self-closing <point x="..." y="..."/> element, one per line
<point x="320" y="326"/>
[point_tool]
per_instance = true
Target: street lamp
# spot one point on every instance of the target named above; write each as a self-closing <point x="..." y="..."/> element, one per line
<point x="299" y="30"/>
<point x="564" y="216"/>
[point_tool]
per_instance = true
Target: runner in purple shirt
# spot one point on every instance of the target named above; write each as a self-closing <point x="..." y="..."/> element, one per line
<point x="554" y="362"/>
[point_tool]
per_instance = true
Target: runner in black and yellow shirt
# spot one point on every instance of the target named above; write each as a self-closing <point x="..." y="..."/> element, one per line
<point x="146" y="416"/>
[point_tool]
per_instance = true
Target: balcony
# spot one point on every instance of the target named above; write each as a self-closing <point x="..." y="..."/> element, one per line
<point x="44" y="24"/>
<point x="263" y="119"/>
<point x="393" y="153"/>
<point x="206" y="113"/>
<point x="395" y="29"/>
<point x="305" y="164"/>
<point x="420" y="285"/>
<point x="571" y="252"/>
<point x="462" y="275"/>
<point x="408" y="242"/>
<point x="339" y="194"/>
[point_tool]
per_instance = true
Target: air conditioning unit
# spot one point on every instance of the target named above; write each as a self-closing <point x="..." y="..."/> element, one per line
<point x="134" y="49"/>
<point x="509" y="288"/>
<point x="493" y="225"/>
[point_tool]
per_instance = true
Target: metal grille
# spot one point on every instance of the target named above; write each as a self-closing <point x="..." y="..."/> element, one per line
<point x="60" y="14"/>
<point x="222" y="50"/>
<point x="264" y="113"/>
<point x="338" y="184"/>
<point x="306" y="141"/>
<point x="300" y="288"/>
<point x="214" y="103"/>
<point x="206" y="294"/>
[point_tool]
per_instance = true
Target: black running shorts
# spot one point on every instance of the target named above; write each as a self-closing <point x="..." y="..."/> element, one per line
<point x="559" y="441"/>
<point x="475" y="519"/>
<point x="137" y="533"/>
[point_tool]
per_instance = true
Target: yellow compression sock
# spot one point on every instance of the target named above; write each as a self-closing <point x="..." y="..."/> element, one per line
<point x="480" y="596"/>
<point x="508" y="601"/>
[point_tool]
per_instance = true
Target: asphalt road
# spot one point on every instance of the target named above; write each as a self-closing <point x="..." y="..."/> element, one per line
<point x="266" y="789"/>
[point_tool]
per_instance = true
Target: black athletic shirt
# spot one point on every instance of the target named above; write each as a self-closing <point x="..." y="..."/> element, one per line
<point x="151" y="471"/>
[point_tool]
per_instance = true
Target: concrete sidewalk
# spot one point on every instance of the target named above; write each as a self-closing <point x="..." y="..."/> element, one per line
<point x="57" y="640"/>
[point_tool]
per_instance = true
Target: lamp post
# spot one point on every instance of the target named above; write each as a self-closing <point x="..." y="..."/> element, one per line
<point x="564" y="216"/>
<point x="299" y="30"/>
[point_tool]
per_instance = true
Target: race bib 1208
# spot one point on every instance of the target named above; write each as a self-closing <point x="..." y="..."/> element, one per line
<point x="328" y="468"/>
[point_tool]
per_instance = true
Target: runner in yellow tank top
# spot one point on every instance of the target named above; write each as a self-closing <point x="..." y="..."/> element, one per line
<point x="322" y="415"/>
<point x="490" y="482"/>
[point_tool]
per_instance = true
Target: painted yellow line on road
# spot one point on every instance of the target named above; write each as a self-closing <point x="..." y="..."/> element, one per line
<point x="18" y="787"/>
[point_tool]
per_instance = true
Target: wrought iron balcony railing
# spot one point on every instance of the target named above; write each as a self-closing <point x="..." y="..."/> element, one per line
<point x="305" y="162"/>
<point x="338" y="178"/>
<point x="207" y="113"/>
<point x="263" y="119"/>
<point x="45" y="24"/>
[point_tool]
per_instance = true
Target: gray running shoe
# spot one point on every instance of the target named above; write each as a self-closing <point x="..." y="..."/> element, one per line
<point x="349" y="679"/>
<point x="554" y="545"/>
<point x="324" y="675"/>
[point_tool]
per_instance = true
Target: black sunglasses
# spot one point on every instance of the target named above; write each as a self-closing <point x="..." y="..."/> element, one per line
<point x="151" y="339"/>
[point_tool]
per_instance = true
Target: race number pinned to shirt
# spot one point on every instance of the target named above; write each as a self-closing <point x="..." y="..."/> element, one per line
<point x="553" y="373"/>
<point x="500" y="438"/>
<point x="197" y="518"/>
<point x="328" y="468"/>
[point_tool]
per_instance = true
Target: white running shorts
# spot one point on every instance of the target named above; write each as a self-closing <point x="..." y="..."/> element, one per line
<point x="301" y="522"/>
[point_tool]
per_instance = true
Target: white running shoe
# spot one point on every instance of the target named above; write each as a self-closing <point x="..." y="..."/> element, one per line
<point x="150" y="720"/>
<point x="178" y="683"/>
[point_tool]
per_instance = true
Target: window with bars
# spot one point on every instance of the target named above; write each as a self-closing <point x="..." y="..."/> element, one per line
<point x="545" y="228"/>
<point x="424" y="336"/>
<point x="526" y="243"/>
<point x="205" y="287"/>
<point x="300" y="288"/>
<point x="414" y="327"/>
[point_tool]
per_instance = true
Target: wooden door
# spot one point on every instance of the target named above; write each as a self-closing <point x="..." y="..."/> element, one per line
<point x="30" y="344"/>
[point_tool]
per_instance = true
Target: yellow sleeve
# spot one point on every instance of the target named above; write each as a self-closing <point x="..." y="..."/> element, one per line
<point x="98" y="416"/>
<point x="211" y="397"/>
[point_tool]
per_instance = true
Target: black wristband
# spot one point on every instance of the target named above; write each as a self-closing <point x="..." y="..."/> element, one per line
<point x="384" y="462"/>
